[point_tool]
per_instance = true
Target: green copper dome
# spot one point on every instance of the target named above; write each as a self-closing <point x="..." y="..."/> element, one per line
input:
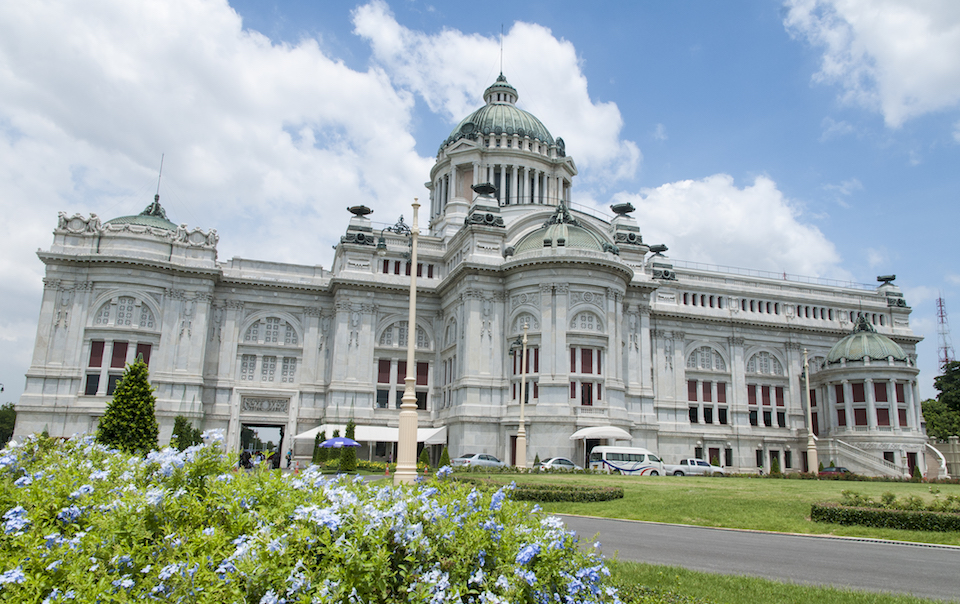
<point x="500" y="116"/>
<point x="152" y="216"/>
<point x="865" y="342"/>
<point x="562" y="230"/>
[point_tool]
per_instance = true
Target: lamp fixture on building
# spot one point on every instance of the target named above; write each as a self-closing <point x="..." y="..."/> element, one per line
<point x="521" y="343"/>
<point x="407" y="439"/>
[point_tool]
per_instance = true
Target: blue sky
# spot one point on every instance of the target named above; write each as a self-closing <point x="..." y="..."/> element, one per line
<point x="815" y="137"/>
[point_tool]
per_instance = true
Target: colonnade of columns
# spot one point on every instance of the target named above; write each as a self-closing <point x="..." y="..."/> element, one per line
<point x="516" y="184"/>
<point x="827" y="415"/>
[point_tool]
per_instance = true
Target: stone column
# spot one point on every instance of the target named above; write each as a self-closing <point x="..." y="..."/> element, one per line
<point x="894" y="406"/>
<point x="515" y="177"/>
<point x="560" y="352"/>
<point x="871" y="404"/>
<point x="645" y="352"/>
<point x="848" y="405"/>
<point x="524" y="198"/>
<point x="614" y="319"/>
<point x="311" y="344"/>
<point x="536" y="186"/>
<point x="548" y="331"/>
<point x="737" y="397"/>
<point x="501" y="193"/>
<point x="913" y="409"/>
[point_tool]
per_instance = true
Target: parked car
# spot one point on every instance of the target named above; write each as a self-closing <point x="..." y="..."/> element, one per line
<point x="632" y="461"/>
<point x="693" y="467"/>
<point x="477" y="459"/>
<point x="559" y="463"/>
<point x="834" y="471"/>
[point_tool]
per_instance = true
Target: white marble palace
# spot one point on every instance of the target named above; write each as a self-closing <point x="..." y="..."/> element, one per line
<point x="689" y="360"/>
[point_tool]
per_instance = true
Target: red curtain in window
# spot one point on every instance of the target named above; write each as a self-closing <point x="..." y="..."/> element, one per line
<point x="401" y="371"/>
<point x="599" y="391"/>
<point x="903" y="417"/>
<point x="429" y="271"/>
<point x="841" y="417"/>
<point x="883" y="417"/>
<point x="816" y="425"/>
<point x="143" y="352"/>
<point x="536" y="360"/>
<point x="859" y="395"/>
<point x="586" y="360"/>
<point x="692" y="390"/>
<point x="599" y="353"/>
<point x="573" y="360"/>
<point x="860" y="417"/>
<point x="721" y="392"/>
<point x="839" y="390"/>
<point x="419" y="269"/>
<point x="880" y="392"/>
<point x="573" y="390"/>
<point x="536" y="390"/>
<point x="383" y="371"/>
<point x="779" y="390"/>
<point x="765" y="394"/>
<point x="119" y="358"/>
<point x="752" y="394"/>
<point x="813" y="398"/>
<point x="900" y="393"/>
<point x="422" y="372"/>
<point x="96" y="354"/>
<point x="708" y="392"/>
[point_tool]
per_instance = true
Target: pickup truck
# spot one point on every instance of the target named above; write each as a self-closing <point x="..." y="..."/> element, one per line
<point x="692" y="467"/>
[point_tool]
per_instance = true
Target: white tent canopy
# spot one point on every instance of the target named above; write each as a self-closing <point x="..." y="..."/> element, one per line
<point x="611" y="432"/>
<point x="383" y="434"/>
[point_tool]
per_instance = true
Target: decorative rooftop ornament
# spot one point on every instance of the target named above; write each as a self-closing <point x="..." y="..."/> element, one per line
<point x="360" y="210"/>
<point x="562" y="216"/>
<point x="622" y="209"/>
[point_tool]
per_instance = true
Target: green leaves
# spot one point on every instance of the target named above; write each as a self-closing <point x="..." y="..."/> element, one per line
<point x="129" y="422"/>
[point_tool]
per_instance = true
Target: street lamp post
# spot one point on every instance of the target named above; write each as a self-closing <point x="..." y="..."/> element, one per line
<point x="813" y="464"/>
<point x="521" y="456"/>
<point x="407" y="439"/>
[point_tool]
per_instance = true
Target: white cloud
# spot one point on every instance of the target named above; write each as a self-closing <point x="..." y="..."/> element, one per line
<point x="953" y="278"/>
<point x="267" y="141"/>
<point x="447" y="70"/>
<point x="834" y="129"/>
<point x="876" y="257"/>
<point x="712" y="220"/>
<point x="901" y="59"/>
<point x="660" y="132"/>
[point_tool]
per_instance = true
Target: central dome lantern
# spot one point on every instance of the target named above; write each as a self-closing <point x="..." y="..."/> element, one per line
<point x="501" y="116"/>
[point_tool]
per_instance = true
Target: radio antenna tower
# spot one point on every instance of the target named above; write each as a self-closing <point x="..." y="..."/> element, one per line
<point x="945" y="346"/>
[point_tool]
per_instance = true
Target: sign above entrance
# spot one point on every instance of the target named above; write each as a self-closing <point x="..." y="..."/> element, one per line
<point x="264" y="405"/>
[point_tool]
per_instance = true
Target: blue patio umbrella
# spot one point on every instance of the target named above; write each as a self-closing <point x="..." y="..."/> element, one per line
<point x="339" y="442"/>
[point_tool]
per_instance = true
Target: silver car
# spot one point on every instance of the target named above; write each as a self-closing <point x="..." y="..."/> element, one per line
<point x="477" y="459"/>
<point x="559" y="463"/>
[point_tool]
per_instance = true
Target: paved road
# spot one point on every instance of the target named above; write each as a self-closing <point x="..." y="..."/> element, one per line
<point x="920" y="570"/>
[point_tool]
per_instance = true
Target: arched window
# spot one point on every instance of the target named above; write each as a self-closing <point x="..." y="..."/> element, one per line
<point x="396" y="336"/>
<point x="706" y="358"/>
<point x="128" y="311"/>
<point x="765" y="363"/>
<point x="271" y="330"/>
<point x="586" y="321"/>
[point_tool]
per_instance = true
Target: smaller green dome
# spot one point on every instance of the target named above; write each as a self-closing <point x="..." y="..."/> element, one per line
<point x="562" y="230"/>
<point x="152" y="216"/>
<point x="865" y="342"/>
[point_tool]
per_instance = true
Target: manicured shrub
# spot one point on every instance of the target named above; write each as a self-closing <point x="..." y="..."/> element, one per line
<point x="348" y="455"/>
<point x="544" y="493"/>
<point x="88" y="524"/>
<point x="184" y="434"/>
<point x="917" y="476"/>
<point x="909" y="520"/>
<point x="424" y="458"/>
<point x="444" y="457"/>
<point x="129" y="422"/>
<point x="536" y="460"/>
<point x="319" y="453"/>
<point x="775" y="467"/>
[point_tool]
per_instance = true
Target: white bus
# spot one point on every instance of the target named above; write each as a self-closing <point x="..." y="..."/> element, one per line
<point x="626" y="460"/>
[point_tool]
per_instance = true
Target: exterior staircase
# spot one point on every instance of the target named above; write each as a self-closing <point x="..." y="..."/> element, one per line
<point x="858" y="460"/>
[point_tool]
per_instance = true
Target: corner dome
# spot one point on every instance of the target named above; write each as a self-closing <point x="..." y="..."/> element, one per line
<point x="563" y="230"/>
<point x="865" y="342"/>
<point x="500" y="116"/>
<point x="152" y="216"/>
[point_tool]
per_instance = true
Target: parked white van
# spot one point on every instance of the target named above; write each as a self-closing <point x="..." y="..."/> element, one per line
<point x="626" y="460"/>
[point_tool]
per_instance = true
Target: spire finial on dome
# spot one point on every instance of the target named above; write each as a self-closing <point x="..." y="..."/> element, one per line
<point x="863" y="325"/>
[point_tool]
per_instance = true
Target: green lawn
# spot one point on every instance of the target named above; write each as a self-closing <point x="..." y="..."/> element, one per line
<point x="746" y="503"/>
<point x="670" y="585"/>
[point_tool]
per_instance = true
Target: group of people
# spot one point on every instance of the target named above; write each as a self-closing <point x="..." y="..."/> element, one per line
<point x="249" y="459"/>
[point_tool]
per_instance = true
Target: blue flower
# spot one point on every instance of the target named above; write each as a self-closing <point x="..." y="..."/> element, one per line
<point x="444" y="472"/>
<point x="271" y="598"/>
<point x="23" y="481"/>
<point x="68" y="515"/>
<point x="527" y="554"/>
<point x="526" y="575"/>
<point x="84" y="490"/>
<point x="14" y="575"/>
<point x="496" y="502"/>
<point x="16" y="520"/>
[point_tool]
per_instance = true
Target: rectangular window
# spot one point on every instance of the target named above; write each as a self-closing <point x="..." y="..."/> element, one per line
<point x="753" y="417"/>
<point x="92" y="384"/>
<point x="573" y="390"/>
<point x="883" y="417"/>
<point x="536" y="390"/>
<point x="288" y="370"/>
<point x="419" y="269"/>
<point x="599" y="391"/>
<point x="119" y="358"/>
<point x="573" y="360"/>
<point x="903" y="417"/>
<point x="429" y="271"/>
<point x="816" y="424"/>
<point x="751" y="394"/>
<point x="900" y="393"/>
<point x="888" y="456"/>
<point x="513" y="392"/>
<point x="759" y="458"/>
<point x="599" y="353"/>
<point x="859" y="395"/>
<point x="268" y="369"/>
<point x="708" y="392"/>
<point x="396" y="267"/>
<point x="422" y="372"/>
<point x="586" y="360"/>
<point x="422" y="400"/>
<point x="248" y="363"/>
<point x="722" y="416"/>
<point x="839" y="391"/>
<point x="781" y="419"/>
<point x="721" y="392"/>
<point x="728" y="457"/>
<point x="692" y="390"/>
<point x="788" y="459"/>
<point x="768" y="418"/>
<point x="765" y="394"/>
<point x="96" y="354"/>
<point x="779" y="391"/>
<point x="386" y="267"/>
<point x="694" y="414"/>
<point x="407" y="269"/>
<point x="143" y="352"/>
<point x="383" y="399"/>
<point x="698" y="452"/>
<point x="708" y="415"/>
<point x="536" y="361"/>
<point x="813" y="397"/>
<point x="880" y="392"/>
<point x="860" y="417"/>
<point x="401" y="372"/>
<point x="383" y="371"/>
<point x="113" y="380"/>
<point x="841" y="417"/>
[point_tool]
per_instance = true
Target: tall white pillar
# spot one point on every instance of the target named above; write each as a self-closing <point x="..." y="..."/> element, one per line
<point x="503" y="186"/>
<point x="536" y="186"/>
<point x="871" y="404"/>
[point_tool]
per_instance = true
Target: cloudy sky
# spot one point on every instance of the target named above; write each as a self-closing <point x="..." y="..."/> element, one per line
<point x="814" y="137"/>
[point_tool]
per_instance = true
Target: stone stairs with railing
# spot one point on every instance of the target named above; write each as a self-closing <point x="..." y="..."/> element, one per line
<point x="857" y="460"/>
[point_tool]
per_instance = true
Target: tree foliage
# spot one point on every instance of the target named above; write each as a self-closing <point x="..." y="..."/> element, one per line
<point x="129" y="422"/>
<point x="942" y="421"/>
<point x="444" y="457"/>
<point x="319" y="453"/>
<point x="425" y="457"/>
<point x="184" y="434"/>
<point x="8" y="419"/>
<point x="949" y="386"/>
<point x="348" y="455"/>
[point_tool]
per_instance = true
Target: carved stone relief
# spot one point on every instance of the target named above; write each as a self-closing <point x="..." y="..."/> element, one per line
<point x="264" y="405"/>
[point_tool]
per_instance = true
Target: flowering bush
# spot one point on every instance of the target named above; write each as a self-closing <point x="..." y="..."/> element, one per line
<point x="83" y="523"/>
